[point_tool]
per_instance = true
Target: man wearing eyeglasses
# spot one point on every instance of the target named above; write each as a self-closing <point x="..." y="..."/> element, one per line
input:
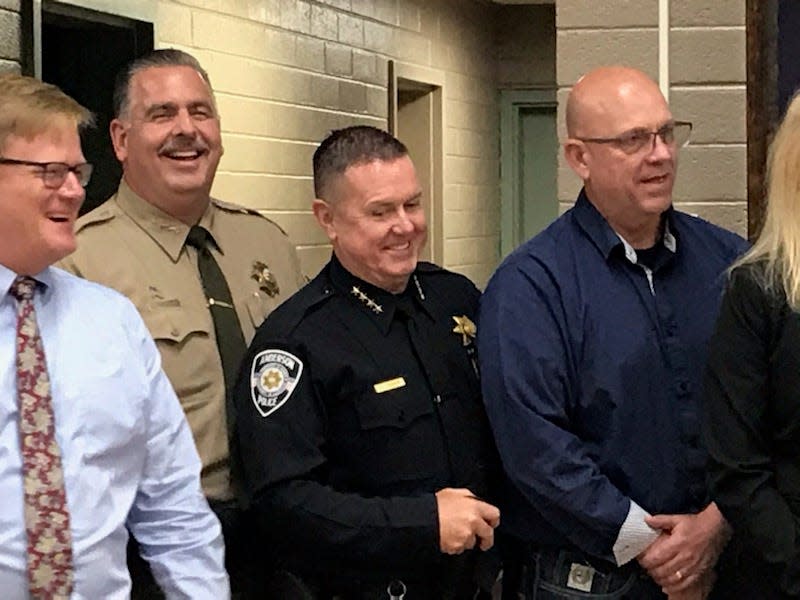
<point x="592" y="339"/>
<point x="202" y="272"/>
<point x="92" y="436"/>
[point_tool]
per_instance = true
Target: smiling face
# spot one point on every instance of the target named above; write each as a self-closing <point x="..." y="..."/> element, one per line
<point x="37" y="223"/>
<point x="630" y="190"/>
<point x="169" y="140"/>
<point x="375" y="221"/>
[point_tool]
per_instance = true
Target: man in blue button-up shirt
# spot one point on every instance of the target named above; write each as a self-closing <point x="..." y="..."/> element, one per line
<point x="592" y="339"/>
<point x="125" y="449"/>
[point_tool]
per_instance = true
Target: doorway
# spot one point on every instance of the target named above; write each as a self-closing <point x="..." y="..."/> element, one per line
<point x="81" y="52"/>
<point x="528" y="165"/>
<point x="415" y="118"/>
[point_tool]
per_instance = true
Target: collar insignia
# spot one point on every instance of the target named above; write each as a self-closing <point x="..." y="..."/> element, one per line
<point x="466" y="328"/>
<point x="266" y="280"/>
<point x="366" y="300"/>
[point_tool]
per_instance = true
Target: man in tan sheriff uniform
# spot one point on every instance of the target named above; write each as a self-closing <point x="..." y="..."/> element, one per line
<point x="166" y="134"/>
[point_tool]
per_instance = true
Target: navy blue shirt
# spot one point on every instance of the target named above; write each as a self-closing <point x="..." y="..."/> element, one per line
<point x="591" y="371"/>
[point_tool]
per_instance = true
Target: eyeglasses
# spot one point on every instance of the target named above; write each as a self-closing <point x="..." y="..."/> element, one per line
<point x="55" y="173"/>
<point x="674" y="134"/>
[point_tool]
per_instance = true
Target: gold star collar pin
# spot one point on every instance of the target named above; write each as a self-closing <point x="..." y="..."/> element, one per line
<point x="466" y="328"/>
<point x="265" y="279"/>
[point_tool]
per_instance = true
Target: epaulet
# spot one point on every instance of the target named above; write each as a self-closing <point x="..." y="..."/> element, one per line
<point x="455" y="282"/>
<point x="306" y="300"/>
<point x="237" y="208"/>
<point x="101" y="214"/>
<point x="429" y="267"/>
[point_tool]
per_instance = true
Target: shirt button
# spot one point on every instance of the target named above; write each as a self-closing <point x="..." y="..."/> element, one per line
<point x="174" y="332"/>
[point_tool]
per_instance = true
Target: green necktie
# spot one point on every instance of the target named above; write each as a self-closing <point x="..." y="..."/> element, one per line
<point x="230" y="340"/>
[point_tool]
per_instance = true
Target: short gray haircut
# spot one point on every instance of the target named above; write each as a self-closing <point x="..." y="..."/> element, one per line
<point x="168" y="57"/>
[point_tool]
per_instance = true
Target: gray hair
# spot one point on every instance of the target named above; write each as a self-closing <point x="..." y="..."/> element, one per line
<point x="168" y="57"/>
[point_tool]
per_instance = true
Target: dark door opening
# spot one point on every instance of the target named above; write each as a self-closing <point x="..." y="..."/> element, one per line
<point x="82" y="51"/>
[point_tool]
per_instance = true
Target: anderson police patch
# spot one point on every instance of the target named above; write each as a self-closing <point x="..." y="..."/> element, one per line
<point x="273" y="377"/>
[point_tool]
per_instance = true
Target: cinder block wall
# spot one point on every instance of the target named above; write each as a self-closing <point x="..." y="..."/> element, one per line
<point x="9" y="35"/>
<point x="288" y="71"/>
<point x="707" y="87"/>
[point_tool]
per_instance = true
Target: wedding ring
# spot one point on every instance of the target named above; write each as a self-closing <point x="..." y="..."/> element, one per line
<point x="679" y="575"/>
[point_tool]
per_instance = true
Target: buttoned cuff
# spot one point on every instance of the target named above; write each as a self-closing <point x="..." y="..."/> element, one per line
<point x="634" y="535"/>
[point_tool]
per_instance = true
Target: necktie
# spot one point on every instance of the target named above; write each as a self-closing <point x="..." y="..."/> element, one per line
<point x="230" y="340"/>
<point x="46" y="514"/>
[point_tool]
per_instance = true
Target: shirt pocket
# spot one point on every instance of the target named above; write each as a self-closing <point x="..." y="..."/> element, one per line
<point x="395" y="409"/>
<point x="399" y="441"/>
<point x="189" y="357"/>
<point x="174" y="324"/>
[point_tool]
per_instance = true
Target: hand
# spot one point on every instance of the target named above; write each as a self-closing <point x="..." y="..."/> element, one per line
<point x="465" y="520"/>
<point x="699" y="590"/>
<point x="688" y="547"/>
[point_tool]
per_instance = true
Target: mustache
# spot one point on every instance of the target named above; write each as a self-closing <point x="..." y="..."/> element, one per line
<point x="182" y="143"/>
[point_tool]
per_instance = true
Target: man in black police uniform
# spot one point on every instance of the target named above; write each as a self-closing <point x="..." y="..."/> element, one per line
<point x="365" y="444"/>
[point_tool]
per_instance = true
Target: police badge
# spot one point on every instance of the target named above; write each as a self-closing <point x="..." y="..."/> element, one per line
<point x="466" y="328"/>
<point x="266" y="280"/>
<point x="273" y="377"/>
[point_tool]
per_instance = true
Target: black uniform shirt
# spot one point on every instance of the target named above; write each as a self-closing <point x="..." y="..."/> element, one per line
<point x="356" y="406"/>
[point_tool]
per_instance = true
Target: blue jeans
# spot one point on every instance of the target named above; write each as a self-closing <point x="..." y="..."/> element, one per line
<point x="557" y="574"/>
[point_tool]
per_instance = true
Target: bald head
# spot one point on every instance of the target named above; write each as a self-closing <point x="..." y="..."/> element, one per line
<point x="621" y="144"/>
<point x="601" y="98"/>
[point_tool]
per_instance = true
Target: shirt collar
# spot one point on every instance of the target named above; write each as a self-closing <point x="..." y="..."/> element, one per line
<point x="165" y="230"/>
<point x="379" y="304"/>
<point x="606" y="239"/>
<point x="44" y="279"/>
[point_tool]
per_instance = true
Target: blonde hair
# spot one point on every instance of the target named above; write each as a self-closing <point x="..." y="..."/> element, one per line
<point x="778" y="245"/>
<point x="29" y="107"/>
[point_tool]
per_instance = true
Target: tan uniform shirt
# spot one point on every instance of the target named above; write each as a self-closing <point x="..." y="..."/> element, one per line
<point x="132" y="246"/>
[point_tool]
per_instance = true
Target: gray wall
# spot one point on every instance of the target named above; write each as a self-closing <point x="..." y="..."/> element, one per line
<point x="9" y="35"/>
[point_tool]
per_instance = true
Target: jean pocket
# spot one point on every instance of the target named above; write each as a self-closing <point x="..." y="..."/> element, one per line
<point x="563" y="578"/>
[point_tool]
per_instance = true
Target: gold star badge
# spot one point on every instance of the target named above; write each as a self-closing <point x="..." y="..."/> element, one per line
<point x="466" y="328"/>
<point x="271" y="379"/>
<point x="266" y="280"/>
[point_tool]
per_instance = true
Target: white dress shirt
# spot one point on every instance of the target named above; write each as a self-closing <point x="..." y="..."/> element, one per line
<point x="126" y="449"/>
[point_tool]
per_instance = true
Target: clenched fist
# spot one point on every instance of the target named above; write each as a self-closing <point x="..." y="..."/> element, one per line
<point x="465" y="520"/>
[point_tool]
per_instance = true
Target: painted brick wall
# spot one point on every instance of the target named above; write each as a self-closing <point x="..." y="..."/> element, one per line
<point x="288" y="71"/>
<point x="709" y="92"/>
<point x="9" y="35"/>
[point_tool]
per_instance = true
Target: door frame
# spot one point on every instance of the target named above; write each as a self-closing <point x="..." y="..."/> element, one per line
<point x="398" y="72"/>
<point x="512" y="102"/>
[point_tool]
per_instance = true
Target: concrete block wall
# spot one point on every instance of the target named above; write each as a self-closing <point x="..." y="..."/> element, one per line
<point x="286" y="72"/>
<point x="709" y="92"/>
<point x="9" y="35"/>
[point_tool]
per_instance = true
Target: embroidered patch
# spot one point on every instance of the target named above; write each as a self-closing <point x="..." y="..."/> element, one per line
<point x="265" y="279"/>
<point x="273" y="377"/>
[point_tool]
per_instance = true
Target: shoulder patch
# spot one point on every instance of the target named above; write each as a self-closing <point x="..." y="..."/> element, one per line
<point x="274" y="375"/>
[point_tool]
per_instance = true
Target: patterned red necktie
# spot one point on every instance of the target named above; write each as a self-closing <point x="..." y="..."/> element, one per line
<point x="46" y="514"/>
